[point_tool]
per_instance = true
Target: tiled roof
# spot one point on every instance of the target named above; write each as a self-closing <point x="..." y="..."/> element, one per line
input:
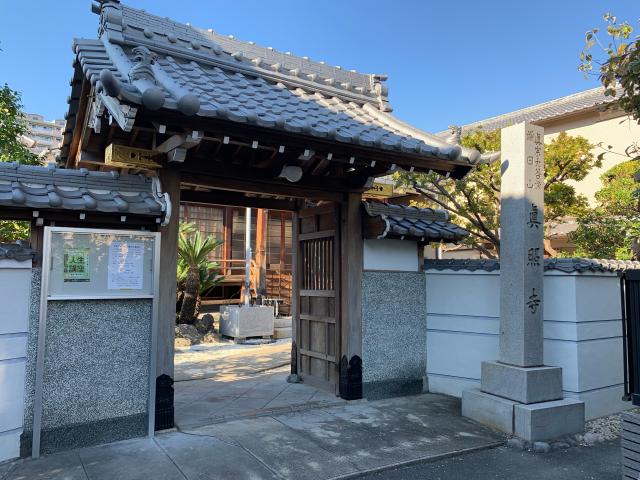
<point x="544" y="111"/>
<point x="425" y="224"/>
<point x="20" y="251"/>
<point x="567" y="265"/>
<point x="42" y="188"/>
<point x="143" y="59"/>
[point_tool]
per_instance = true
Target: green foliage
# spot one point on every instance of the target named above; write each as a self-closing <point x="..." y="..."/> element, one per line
<point x="12" y="230"/>
<point x="196" y="273"/>
<point x="474" y="201"/>
<point x="610" y="230"/>
<point x="12" y="126"/>
<point x="617" y="65"/>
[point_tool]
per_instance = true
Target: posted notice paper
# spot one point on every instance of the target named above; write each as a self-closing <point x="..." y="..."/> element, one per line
<point x="126" y="263"/>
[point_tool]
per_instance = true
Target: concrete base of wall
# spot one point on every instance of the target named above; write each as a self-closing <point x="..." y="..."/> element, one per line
<point x="69" y="437"/>
<point x="392" y="388"/>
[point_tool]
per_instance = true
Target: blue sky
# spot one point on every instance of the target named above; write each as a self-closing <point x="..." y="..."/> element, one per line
<point x="449" y="62"/>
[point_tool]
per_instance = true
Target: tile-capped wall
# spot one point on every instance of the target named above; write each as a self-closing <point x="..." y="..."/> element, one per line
<point x="582" y="333"/>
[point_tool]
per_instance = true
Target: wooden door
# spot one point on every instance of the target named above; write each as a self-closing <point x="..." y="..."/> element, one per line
<point x="317" y="309"/>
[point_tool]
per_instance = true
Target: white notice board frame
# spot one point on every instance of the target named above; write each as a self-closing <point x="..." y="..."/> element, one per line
<point x="45" y="297"/>
<point x="97" y="243"/>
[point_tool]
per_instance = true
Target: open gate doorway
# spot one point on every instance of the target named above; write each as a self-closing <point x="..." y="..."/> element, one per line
<point x="249" y="377"/>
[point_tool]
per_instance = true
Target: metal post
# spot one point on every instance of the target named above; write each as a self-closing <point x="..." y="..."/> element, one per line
<point x="247" y="252"/>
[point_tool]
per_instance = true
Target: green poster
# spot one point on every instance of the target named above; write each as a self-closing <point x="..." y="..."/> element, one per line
<point x="76" y="265"/>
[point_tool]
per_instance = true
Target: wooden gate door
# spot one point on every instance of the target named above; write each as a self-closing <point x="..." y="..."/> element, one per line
<point x="317" y="310"/>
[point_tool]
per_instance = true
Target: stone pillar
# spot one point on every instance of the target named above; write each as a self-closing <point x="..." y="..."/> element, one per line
<point x="518" y="393"/>
<point x="522" y="246"/>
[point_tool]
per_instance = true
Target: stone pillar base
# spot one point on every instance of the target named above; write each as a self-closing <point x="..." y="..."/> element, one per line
<point x="522" y="384"/>
<point x="531" y="422"/>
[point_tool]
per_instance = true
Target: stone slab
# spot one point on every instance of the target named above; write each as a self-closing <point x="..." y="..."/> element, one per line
<point x="195" y="454"/>
<point x="523" y="385"/>
<point x="241" y="321"/>
<point x="286" y="452"/>
<point x="548" y="420"/>
<point x="139" y="459"/>
<point x="63" y="466"/>
<point x="495" y="412"/>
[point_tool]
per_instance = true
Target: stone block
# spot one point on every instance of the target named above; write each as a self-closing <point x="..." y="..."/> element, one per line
<point x="523" y="385"/>
<point x="495" y="412"/>
<point x="246" y="321"/>
<point x="548" y="420"/>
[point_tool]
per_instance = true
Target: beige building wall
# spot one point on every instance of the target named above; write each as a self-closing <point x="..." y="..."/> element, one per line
<point x="608" y="128"/>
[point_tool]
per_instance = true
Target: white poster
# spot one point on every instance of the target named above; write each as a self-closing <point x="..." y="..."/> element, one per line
<point x="126" y="263"/>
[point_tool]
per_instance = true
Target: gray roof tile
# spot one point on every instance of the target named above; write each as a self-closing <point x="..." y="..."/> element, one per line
<point x="20" y="251"/>
<point x="425" y="224"/>
<point x="35" y="187"/>
<point x="144" y="59"/>
<point x="554" y="108"/>
<point x="567" y="265"/>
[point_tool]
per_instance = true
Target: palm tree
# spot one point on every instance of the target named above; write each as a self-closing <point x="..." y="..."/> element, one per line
<point x="195" y="267"/>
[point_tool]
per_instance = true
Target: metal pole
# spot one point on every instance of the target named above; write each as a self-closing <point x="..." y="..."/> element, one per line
<point x="247" y="252"/>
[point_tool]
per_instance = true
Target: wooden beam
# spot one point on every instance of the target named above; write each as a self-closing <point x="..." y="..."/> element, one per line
<point x="235" y="199"/>
<point x="351" y="275"/>
<point x="78" y="129"/>
<point x="273" y="137"/>
<point x="266" y="186"/>
<point x="170" y="180"/>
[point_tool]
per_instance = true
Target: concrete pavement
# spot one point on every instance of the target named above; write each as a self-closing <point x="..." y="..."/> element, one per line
<point x="214" y="400"/>
<point x="322" y="443"/>
<point x="600" y="462"/>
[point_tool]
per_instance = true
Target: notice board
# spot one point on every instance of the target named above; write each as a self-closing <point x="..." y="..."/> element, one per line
<point x="91" y="263"/>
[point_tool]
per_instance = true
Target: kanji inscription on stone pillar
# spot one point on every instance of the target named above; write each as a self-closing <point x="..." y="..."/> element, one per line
<point x="521" y="245"/>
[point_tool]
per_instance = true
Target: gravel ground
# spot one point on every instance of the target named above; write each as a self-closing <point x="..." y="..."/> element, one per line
<point x="605" y="428"/>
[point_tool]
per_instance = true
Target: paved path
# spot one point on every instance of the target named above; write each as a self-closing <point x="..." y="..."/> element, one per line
<point x="213" y="400"/>
<point x="228" y="361"/>
<point x="600" y="462"/>
<point x="326" y="443"/>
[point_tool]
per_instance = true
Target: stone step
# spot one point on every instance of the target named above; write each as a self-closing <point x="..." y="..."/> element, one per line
<point x="282" y="322"/>
<point x="284" y="332"/>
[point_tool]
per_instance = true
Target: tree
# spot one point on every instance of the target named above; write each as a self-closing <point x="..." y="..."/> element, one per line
<point x="610" y="229"/>
<point x="474" y="201"/>
<point x="12" y="128"/>
<point x="617" y="65"/>
<point x="193" y="260"/>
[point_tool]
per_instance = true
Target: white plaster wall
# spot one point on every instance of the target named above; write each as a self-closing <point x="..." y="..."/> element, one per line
<point x="15" y="278"/>
<point x="391" y="254"/>
<point x="582" y="331"/>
